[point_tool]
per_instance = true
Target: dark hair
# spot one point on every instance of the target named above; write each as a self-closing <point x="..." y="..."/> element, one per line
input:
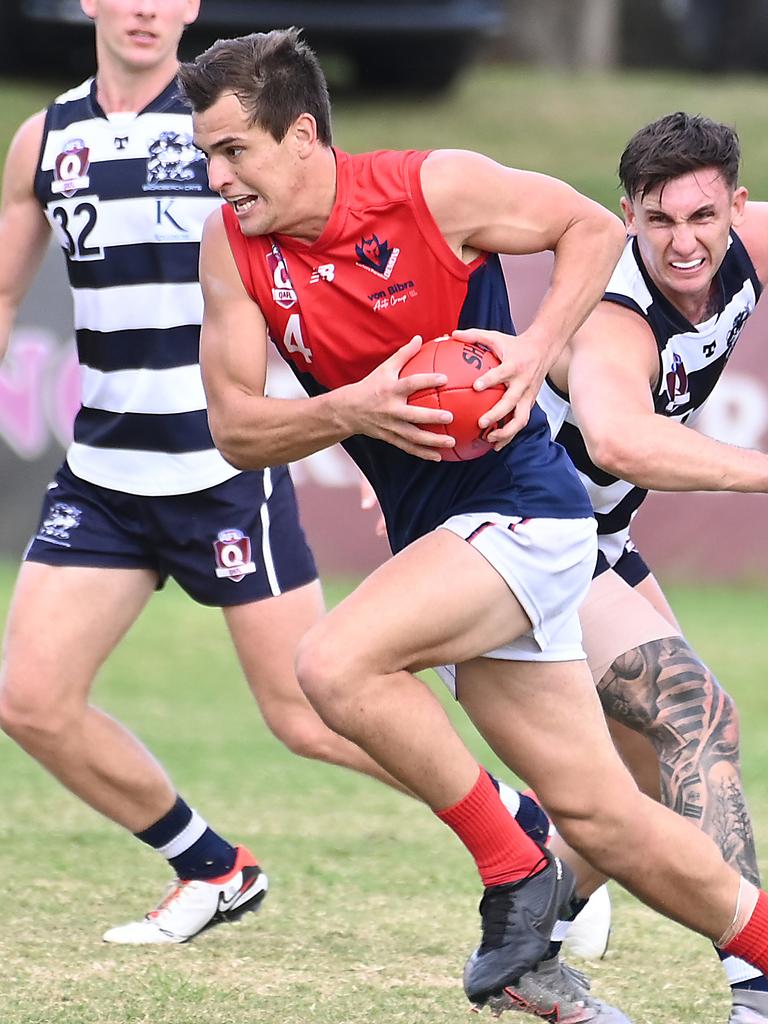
<point x="675" y="145"/>
<point x="275" y="76"/>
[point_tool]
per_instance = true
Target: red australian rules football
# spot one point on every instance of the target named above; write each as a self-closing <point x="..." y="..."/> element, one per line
<point x="462" y="362"/>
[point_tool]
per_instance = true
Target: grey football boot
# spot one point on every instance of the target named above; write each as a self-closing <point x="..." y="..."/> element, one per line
<point x="750" y="1006"/>
<point x="555" y="992"/>
<point x="517" y="921"/>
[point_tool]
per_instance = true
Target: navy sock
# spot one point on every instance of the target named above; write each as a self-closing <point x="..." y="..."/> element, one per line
<point x="191" y="847"/>
<point x="532" y="819"/>
<point x="529" y="815"/>
<point x="758" y="984"/>
<point x="577" y="905"/>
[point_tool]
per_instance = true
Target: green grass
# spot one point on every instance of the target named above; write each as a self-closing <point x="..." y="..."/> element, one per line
<point x="570" y="125"/>
<point x="373" y="903"/>
<point x="372" y="908"/>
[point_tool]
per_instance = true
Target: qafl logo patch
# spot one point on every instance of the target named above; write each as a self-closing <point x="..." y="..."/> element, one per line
<point x="676" y="379"/>
<point x="70" y="169"/>
<point x="377" y="257"/>
<point x="282" y="287"/>
<point x="232" y="550"/>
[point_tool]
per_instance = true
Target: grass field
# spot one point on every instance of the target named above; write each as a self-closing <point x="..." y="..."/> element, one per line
<point x="373" y="902"/>
<point x="573" y="126"/>
<point x="372" y="908"/>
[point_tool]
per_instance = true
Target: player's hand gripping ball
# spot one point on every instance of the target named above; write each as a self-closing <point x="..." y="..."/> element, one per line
<point x="462" y="363"/>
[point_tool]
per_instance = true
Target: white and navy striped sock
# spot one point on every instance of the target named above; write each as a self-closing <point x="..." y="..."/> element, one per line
<point x="189" y="844"/>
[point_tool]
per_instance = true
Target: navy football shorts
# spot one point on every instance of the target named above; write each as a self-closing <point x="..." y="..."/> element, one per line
<point x="237" y="542"/>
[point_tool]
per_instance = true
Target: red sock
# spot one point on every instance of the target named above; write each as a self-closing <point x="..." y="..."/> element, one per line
<point x="502" y="851"/>
<point x="751" y="944"/>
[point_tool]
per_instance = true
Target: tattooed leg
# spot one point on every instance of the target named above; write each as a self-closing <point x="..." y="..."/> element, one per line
<point x="663" y="691"/>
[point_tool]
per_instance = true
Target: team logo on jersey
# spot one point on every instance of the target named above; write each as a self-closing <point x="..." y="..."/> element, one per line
<point x="70" y="168"/>
<point x="325" y="272"/>
<point x="169" y="166"/>
<point x="677" y="384"/>
<point x="736" y="329"/>
<point x="233" y="555"/>
<point x="60" y="520"/>
<point x="376" y="256"/>
<point x="282" y="288"/>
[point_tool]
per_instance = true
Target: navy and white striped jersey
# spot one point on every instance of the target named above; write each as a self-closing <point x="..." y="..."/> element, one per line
<point x="691" y="359"/>
<point x="127" y="196"/>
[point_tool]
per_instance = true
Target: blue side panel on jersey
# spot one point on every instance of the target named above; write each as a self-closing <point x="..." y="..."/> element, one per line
<point x="175" y="432"/>
<point x="160" y="349"/>
<point x="144" y="263"/>
<point x="532" y="476"/>
<point x="486" y="302"/>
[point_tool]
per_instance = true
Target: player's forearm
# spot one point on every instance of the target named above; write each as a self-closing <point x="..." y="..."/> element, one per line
<point x="253" y="432"/>
<point x="662" y="455"/>
<point x="585" y="258"/>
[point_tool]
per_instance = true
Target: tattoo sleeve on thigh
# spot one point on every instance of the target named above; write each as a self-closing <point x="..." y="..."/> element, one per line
<point x="662" y="690"/>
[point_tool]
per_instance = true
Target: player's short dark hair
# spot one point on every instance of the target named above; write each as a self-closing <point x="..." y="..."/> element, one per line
<point x="674" y="145"/>
<point x="275" y="76"/>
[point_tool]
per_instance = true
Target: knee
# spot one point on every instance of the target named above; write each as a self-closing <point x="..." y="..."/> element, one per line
<point x="301" y="731"/>
<point x="324" y="673"/>
<point x="29" y="721"/>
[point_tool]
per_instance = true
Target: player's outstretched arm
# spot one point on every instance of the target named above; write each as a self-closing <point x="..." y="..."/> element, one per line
<point x="253" y="431"/>
<point x="613" y="365"/>
<point x="24" y="231"/>
<point x="480" y="205"/>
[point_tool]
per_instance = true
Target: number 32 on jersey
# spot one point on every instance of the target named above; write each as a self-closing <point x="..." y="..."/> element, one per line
<point x="75" y="224"/>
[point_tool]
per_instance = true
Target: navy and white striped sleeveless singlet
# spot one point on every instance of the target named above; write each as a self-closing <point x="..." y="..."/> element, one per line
<point x="691" y="360"/>
<point x="127" y="196"/>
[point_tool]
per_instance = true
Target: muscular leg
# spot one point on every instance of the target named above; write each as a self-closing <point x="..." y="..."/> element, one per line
<point x="589" y="792"/>
<point x="639" y="756"/>
<point x="354" y="667"/>
<point x="663" y="691"/>
<point x="46" y="677"/>
<point x="266" y="635"/>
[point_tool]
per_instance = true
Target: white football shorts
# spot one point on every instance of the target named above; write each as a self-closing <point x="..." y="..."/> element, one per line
<point x="548" y="566"/>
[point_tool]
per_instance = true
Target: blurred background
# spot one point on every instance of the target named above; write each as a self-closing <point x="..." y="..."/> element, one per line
<point x="553" y="85"/>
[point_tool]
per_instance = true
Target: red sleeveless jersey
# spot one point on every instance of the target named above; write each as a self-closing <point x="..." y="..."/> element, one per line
<point x="380" y="273"/>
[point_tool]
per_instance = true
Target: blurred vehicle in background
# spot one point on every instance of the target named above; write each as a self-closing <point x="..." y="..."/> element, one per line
<point x="700" y="35"/>
<point x="418" y="45"/>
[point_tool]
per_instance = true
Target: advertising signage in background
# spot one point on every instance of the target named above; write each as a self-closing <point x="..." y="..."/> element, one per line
<point x="39" y="394"/>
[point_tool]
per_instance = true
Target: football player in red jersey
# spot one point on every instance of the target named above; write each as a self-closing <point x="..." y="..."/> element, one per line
<point x="511" y="526"/>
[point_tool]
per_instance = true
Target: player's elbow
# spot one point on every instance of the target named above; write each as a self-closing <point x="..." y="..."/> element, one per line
<point x="613" y="455"/>
<point x="235" y="444"/>
<point x="610" y="230"/>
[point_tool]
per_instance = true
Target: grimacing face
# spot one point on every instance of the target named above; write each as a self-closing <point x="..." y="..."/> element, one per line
<point x="682" y="229"/>
<point x="260" y="178"/>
